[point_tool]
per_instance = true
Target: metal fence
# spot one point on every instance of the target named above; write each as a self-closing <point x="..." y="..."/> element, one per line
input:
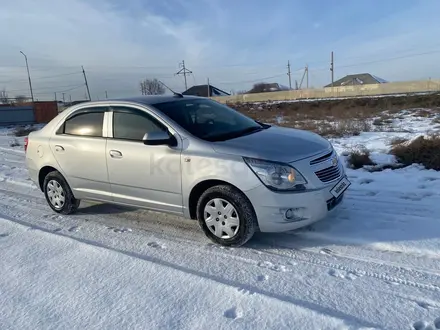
<point x="17" y="115"/>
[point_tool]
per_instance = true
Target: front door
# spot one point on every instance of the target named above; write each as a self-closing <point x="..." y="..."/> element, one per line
<point x="142" y="175"/>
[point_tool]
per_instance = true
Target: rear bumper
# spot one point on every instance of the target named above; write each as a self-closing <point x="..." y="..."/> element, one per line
<point x="32" y="171"/>
<point x="307" y="207"/>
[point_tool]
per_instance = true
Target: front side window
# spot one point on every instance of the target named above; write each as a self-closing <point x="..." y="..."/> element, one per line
<point x="209" y="120"/>
<point x="88" y="124"/>
<point x="130" y="124"/>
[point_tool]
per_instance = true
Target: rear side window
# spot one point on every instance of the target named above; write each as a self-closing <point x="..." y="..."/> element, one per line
<point x="130" y="124"/>
<point x="85" y="124"/>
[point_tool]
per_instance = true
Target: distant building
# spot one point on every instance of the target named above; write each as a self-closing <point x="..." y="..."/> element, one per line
<point x="357" y="79"/>
<point x="202" y="90"/>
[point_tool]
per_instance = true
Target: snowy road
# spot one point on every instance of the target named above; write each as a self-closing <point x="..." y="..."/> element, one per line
<point x="373" y="265"/>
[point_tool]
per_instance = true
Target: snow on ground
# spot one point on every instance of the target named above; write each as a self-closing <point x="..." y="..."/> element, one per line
<point x="374" y="264"/>
<point x="405" y="125"/>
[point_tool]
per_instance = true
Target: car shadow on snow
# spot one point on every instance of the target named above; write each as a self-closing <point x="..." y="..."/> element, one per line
<point x="104" y="208"/>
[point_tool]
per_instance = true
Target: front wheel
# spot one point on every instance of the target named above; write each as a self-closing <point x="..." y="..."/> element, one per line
<point x="58" y="194"/>
<point x="226" y="216"/>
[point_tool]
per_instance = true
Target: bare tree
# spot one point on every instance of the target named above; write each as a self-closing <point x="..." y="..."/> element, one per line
<point x="19" y="99"/>
<point x="151" y="87"/>
<point x="4" y="96"/>
<point x="258" y="88"/>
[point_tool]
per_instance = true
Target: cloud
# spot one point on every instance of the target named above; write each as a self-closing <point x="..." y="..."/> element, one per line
<point x="232" y="43"/>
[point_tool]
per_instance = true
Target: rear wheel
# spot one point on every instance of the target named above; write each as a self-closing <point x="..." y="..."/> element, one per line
<point x="226" y="216"/>
<point x="58" y="194"/>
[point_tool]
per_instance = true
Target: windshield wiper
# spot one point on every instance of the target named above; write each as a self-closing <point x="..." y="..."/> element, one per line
<point x="250" y="130"/>
<point x="232" y="135"/>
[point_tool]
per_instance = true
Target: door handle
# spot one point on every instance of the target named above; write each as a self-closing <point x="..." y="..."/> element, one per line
<point x="59" y="148"/>
<point x="115" y="154"/>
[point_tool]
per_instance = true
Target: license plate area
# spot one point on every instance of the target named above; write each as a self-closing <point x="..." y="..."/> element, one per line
<point x="340" y="187"/>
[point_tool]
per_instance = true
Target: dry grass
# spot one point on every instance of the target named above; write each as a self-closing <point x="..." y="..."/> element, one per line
<point x="358" y="158"/>
<point x="424" y="113"/>
<point x="398" y="140"/>
<point x="344" y="109"/>
<point x="383" y="167"/>
<point x="383" y="120"/>
<point x="423" y="150"/>
<point x="344" y="117"/>
<point x="329" y="129"/>
<point x="23" y="130"/>
<point x="14" y="143"/>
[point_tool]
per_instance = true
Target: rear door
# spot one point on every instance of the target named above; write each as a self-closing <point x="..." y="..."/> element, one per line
<point x="79" y="148"/>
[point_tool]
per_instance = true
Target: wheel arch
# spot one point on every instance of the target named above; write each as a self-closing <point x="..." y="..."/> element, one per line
<point x="201" y="187"/>
<point x="44" y="171"/>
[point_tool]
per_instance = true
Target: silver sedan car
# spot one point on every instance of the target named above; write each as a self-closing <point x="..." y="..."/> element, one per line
<point x="189" y="156"/>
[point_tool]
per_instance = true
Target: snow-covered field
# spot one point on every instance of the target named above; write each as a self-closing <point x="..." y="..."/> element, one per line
<point x="373" y="265"/>
<point x="342" y="98"/>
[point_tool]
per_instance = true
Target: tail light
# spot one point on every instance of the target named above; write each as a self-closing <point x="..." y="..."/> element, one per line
<point x="26" y="142"/>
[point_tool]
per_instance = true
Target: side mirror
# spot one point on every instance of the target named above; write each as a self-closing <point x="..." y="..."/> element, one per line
<point x="158" y="138"/>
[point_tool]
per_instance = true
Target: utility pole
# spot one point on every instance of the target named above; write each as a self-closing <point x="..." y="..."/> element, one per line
<point x="209" y="89"/>
<point x="87" y="85"/>
<point x="331" y="69"/>
<point x="29" y="75"/>
<point x="55" y="96"/>
<point x="184" y="71"/>
<point x="70" y="99"/>
<point x="63" y="99"/>
<point x="288" y="73"/>
<point x="307" y="76"/>
<point x="106" y="95"/>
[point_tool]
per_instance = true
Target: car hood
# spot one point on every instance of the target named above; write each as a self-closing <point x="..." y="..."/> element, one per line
<point x="275" y="143"/>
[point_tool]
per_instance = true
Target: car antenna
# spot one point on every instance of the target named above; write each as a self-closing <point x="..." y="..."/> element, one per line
<point x="175" y="93"/>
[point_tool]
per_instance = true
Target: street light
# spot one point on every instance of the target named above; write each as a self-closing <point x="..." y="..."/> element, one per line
<point x="29" y="76"/>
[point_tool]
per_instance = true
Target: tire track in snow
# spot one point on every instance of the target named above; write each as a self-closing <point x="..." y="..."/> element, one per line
<point x="311" y="258"/>
<point x="288" y="254"/>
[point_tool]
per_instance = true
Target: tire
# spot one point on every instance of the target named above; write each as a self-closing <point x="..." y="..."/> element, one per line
<point x="243" y="214"/>
<point x="54" y="180"/>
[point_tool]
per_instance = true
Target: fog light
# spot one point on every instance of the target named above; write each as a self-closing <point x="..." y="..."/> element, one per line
<point x="294" y="214"/>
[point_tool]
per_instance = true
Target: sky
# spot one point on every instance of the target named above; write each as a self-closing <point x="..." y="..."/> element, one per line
<point x="233" y="43"/>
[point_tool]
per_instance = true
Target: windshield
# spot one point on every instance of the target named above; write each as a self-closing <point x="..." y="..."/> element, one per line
<point x="209" y="120"/>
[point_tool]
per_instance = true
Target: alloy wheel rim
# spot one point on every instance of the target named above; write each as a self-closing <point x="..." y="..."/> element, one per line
<point x="221" y="218"/>
<point x="56" y="194"/>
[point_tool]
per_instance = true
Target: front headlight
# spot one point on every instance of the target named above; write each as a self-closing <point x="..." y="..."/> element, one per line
<point x="276" y="176"/>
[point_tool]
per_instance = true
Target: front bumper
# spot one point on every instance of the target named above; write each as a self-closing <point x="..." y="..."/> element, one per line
<point x="308" y="207"/>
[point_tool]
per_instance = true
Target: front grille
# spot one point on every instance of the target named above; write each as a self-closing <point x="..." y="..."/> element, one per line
<point x="321" y="159"/>
<point x="329" y="174"/>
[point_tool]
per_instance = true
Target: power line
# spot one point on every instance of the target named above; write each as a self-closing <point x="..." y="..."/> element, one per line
<point x="71" y="89"/>
<point x="61" y="91"/>
<point x="379" y="61"/>
<point x="39" y="78"/>
<point x="42" y="88"/>
<point x="251" y="81"/>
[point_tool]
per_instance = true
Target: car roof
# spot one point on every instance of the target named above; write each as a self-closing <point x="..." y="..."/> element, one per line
<point x="153" y="99"/>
